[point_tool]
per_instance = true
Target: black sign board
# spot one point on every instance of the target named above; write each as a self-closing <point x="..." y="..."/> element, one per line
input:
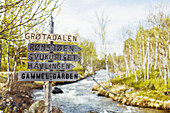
<point x="53" y="57"/>
<point x="53" y="47"/>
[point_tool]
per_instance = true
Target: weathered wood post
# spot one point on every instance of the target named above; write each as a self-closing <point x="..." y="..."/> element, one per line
<point x="48" y="98"/>
<point x="0" y="56"/>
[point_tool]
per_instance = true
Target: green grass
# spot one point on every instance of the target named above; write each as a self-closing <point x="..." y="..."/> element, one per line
<point x="154" y="83"/>
<point x="155" y="95"/>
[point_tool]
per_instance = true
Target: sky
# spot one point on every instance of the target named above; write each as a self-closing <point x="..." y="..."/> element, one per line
<point x="80" y="16"/>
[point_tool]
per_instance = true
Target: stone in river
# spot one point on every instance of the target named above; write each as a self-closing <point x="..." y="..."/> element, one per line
<point x="56" y="90"/>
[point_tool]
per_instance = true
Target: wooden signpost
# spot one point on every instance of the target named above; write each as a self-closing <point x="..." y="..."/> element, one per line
<point x="50" y="75"/>
<point x="0" y="55"/>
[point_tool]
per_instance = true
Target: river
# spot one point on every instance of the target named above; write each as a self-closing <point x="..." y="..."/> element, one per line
<point x="78" y="98"/>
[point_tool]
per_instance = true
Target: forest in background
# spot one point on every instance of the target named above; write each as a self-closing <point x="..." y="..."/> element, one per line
<point x="146" y="54"/>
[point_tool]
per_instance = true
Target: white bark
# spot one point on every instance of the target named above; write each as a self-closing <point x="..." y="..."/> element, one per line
<point x="131" y="59"/>
<point x="160" y="61"/>
<point x="156" y="52"/>
<point x="168" y="55"/>
<point x="107" y="69"/>
<point x="116" y="67"/>
<point x="148" y="59"/>
<point x="160" y="71"/>
<point x="140" y="65"/>
<point x="9" y="78"/>
<point x="134" y="67"/>
<point x="136" y="77"/>
<point x="91" y="66"/>
<point x="127" y="66"/>
<point x="151" y="58"/>
<point x="15" y="66"/>
<point x="164" y="65"/>
<point x="82" y="61"/>
<point x="144" y="59"/>
<point x="168" y="76"/>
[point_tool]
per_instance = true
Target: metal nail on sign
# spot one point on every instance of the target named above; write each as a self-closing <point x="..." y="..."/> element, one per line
<point x="53" y="47"/>
<point x="51" y="37"/>
<point x="48" y="76"/>
<point x="52" y="57"/>
<point x="50" y="65"/>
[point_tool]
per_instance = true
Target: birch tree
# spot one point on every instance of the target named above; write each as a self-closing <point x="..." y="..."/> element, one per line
<point x="102" y="22"/>
<point x="20" y="16"/>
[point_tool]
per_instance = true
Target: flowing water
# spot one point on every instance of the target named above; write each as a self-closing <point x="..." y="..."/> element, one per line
<point x="78" y="98"/>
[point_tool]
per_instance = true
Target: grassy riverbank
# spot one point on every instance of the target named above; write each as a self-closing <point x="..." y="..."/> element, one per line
<point x="152" y="93"/>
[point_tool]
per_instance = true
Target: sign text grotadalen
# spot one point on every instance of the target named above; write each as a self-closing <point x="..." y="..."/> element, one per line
<point x="51" y="37"/>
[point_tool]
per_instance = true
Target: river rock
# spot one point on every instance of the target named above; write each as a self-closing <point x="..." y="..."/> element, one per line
<point x="57" y="90"/>
<point x="167" y="93"/>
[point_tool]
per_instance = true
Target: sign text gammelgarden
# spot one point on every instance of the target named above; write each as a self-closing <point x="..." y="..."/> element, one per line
<point x="48" y="76"/>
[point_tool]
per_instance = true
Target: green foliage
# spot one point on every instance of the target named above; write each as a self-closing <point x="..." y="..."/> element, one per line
<point x="155" y="95"/>
<point x="22" y="67"/>
<point x="154" y="83"/>
<point x="81" y="73"/>
<point x="7" y="109"/>
<point x="78" y="69"/>
<point x="123" y="80"/>
<point x="88" y="53"/>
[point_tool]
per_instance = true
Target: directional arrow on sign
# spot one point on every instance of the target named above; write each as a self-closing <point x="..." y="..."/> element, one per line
<point x="52" y="57"/>
<point x="48" y="76"/>
<point x="53" y="47"/>
<point x="50" y="65"/>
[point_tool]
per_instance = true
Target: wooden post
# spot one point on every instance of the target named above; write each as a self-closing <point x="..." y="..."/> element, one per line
<point x="0" y="56"/>
<point x="48" y="98"/>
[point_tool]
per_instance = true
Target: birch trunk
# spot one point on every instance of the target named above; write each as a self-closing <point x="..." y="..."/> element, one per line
<point x="165" y="77"/>
<point x="160" y="71"/>
<point x="8" y="67"/>
<point x="107" y="69"/>
<point x="164" y="65"/>
<point x="151" y="58"/>
<point x="148" y="59"/>
<point x="160" y="61"/>
<point x="15" y="67"/>
<point x="82" y="61"/>
<point x="91" y="61"/>
<point x="168" y="55"/>
<point x="134" y="67"/>
<point x="116" y="67"/>
<point x="156" y="53"/>
<point x="131" y="61"/>
<point x="168" y="76"/>
<point x="127" y="66"/>
<point x="144" y="59"/>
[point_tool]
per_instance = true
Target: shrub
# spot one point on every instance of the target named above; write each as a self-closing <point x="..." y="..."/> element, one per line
<point x="78" y="69"/>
